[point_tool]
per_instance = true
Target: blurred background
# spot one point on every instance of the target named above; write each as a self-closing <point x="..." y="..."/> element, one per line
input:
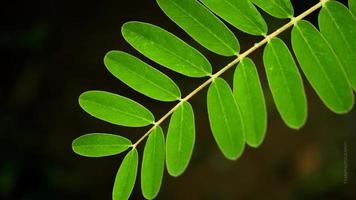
<point x="52" y="51"/>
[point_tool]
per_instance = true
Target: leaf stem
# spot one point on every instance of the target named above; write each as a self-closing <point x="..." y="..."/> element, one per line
<point x="292" y="22"/>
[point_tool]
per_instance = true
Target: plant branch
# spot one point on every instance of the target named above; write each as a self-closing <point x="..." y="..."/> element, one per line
<point x="292" y="22"/>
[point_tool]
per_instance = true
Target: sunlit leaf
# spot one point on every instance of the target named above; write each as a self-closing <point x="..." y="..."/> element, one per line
<point x="321" y="67"/>
<point x="115" y="109"/>
<point x="198" y="22"/>
<point x="126" y="176"/>
<point x="100" y="144"/>
<point x="338" y="26"/>
<point x="240" y="13"/>
<point x="180" y="139"/>
<point x="225" y="119"/>
<point x="285" y="83"/>
<point x="166" y="49"/>
<point x="249" y="97"/>
<point x="153" y="164"/>
<point x="277" y="8"/>
<point x="141" y="76"/>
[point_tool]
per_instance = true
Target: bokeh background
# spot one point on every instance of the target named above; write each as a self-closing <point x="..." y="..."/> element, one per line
<point x="52" y="51"/>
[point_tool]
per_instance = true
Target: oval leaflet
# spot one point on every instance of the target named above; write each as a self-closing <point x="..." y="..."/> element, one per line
<point x="115" y="109"/>
<point x="141" y="76"/>
<point x="166" y="49"/>
<point x="100" y="144"/>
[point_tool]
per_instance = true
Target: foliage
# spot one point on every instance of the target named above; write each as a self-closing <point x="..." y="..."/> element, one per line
<point x="237" y="116"/>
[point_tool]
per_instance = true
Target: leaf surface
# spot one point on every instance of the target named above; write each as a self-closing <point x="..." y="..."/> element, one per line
<point x="166" y="49"/>
<point x="153" y="164"/>
<point x="225" y="119"/>
<point x="352" y="7"/>
<point x="321" y="67"/>
<point x="180" y="139"/>
<point x="276" y="8"/>
<point x="141" y="76"/>
<point x="249" y="97"/>
<point x="115" y="109"/>
<point x="242" y="14"/>
<point x="204" y="27"/>
<point x="285" y="83"/>
<point x="100" y="144"/>
<point x="338" y="26"/>
<point x="126" y="177"/>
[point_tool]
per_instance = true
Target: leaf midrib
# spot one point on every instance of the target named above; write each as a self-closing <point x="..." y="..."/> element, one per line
<point x="341" y="33"/>
<point x="320" y="65"/>
<point x="225" y="118"/>
<point x="206" y="29"/>
<point x="116" y="110"/>
<point x="167" y="92"/>
<point x="246" y="16"/>
<point x="285" y="83"/>
<point x="252" y="108"/>
<point x="198" y="68"/>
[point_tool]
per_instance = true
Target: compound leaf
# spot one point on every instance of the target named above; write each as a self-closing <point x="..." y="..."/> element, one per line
<point x="115" y="109"/>
<point x="126" y="176"/>
<point x="166" y="49"/>
<point x="249" y="97"/>
<point x="321" y="67"/>
<point x="141" y="76"/>
<point x="338" y="27"/>
<point x="180" y="139"/>
<point x="242" y="14"/>
<point x="153" y="164"/>
<point x="276" y="8"/>
<point x="285" y="83"/>
<point x="225" y="119"/>
<point x="100" y="144"/>
<point x="204" y="27"/>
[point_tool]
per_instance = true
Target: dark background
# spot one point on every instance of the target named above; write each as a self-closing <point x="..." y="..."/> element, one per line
<point x="52" y="51"/>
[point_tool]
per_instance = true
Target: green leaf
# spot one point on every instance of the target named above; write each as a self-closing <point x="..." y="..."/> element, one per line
<point x="166" y="49"/>
<point x="225" y="119"/>
<point x="338" y="27"/>
<point x="242" y="14"/>
<point x="100" y="144"/>
<point x="276" y="8"/>
<point x="126" y="176"/>
<point x="249" y="98"/>
<point x="201" y="25"/>
<point x="285" y="83"/>
<point x="180" y="139"/>
<point x="321" y="67"/>
<point x="141" y="76"/>
<point x="352" y="7"/>
<point x="153" y="164"/>
<point x="115" y="109"/>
